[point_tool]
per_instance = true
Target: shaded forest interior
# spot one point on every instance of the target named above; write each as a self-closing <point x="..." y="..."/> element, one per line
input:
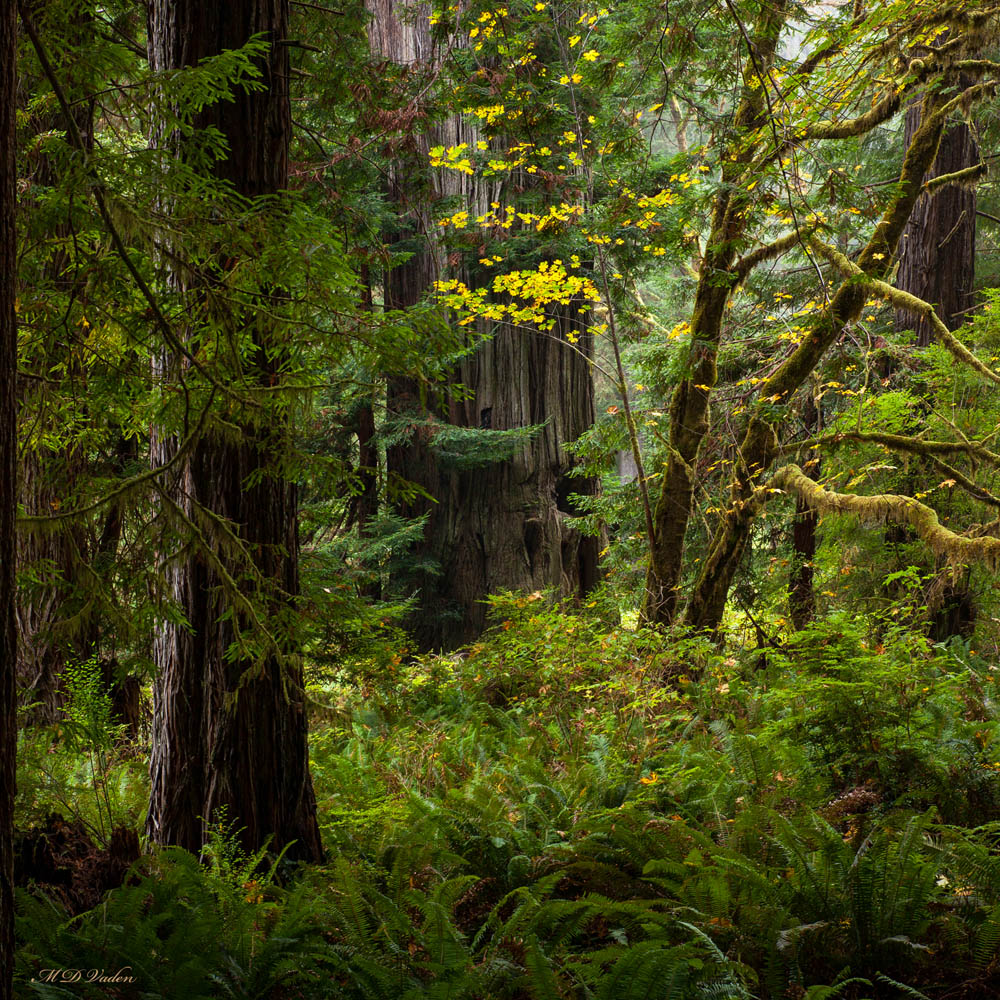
<point x="502" y="501"/>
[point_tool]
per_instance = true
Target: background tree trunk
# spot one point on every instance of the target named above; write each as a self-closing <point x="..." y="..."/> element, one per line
<point x="231" y="734"/>
<point x="801" y="592"/>
<point x="937" y="252"/>
<point x="46" y="476"/>
<point x="502" y="525"/>
<point x="937" y="264"/>
<point x="8" y="451"/>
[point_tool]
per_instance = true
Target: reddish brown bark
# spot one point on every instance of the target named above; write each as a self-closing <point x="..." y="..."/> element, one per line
<point x="230" y="733"/>
<point x="937" y="252"/>
<point x="502" y="525"/>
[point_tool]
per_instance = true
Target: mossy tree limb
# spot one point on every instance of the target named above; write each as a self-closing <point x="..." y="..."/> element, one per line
<point x="761" y="444"/>
<point x="907" y="511"/>
<point x="908" y="302"/>
<point x="901" y="442"/>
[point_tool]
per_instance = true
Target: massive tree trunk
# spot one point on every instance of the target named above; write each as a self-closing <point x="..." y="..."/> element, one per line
<point x="229" y="734"/>
<point x="8" y="500"/>
<point x="502" y="525"/>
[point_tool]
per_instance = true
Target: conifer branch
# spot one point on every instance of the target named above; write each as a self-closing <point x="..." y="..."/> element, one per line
<point x="97" y="189"/>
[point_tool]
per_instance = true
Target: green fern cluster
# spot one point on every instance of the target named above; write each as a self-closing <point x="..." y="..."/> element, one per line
<point x="568" y="811"/>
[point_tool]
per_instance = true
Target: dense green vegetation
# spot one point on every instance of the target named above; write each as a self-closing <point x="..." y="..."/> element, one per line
<point x="568" y="809"/>
<point x="505" y="500"/>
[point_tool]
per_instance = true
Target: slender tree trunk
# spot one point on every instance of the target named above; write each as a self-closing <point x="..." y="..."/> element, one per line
<point x="230" y="734"/>
<point x="689" y="405"/>
<point x="502" y="525"/>
<point x="801" y="593"/>
<point x="8" y="451"/>
<point x="365" y="505"/>
<point x="760" y="444"/>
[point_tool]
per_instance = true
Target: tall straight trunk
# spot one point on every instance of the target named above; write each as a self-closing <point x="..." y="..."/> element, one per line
<point x="937" y="264"/>
<point x="229" y="735"/>
<point x="801" y="593"/>
<point x="8" y="500"/>
<point x="502" y="525"/>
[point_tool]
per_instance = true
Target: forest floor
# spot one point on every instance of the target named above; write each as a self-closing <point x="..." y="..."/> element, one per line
<point x="565" y="809"/>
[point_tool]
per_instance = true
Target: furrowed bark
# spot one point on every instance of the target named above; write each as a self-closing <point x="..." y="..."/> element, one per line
<point x="937" y="265"/>
<point x="229" y="732"/>
<point x="502" y="525"/>
<point x="937" y="250"/>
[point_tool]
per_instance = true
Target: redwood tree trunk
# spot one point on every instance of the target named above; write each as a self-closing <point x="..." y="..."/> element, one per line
<point x="230" y="734"/>
<point x="937" y="264"/>
<point x="502" y="525"/>
<point x="937" y="252"/>
<point x="8" y="450"/>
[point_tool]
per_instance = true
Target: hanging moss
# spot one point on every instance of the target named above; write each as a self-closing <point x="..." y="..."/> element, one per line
<point x="889" y="507"/>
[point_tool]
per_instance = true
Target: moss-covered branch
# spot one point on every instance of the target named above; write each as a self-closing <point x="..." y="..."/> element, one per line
<point x="861" y="125"/>
<point x="769" y="251"/>
<point x="978" y="66"/>
<point x="966" y="177"/>
<point x="960" y="479"/>
<point x="930" y="450"/>
<point x="923" y="520"/>
<point x="909" y="303"/>
<point x="904" y="443"/>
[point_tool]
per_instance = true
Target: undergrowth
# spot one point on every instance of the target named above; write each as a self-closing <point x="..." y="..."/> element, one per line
<point x="568" y="810"/>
